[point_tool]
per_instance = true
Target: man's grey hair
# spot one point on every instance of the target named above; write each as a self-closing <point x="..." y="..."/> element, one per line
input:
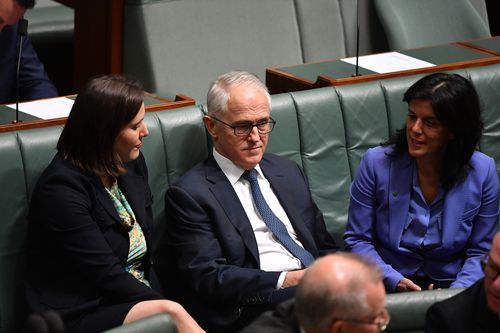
<point x="318" y="302"/>
<point x="218" y="94"/>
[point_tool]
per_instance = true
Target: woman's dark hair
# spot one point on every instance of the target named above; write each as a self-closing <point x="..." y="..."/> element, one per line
<point x="456" y="105"/>
<point x="28" y="4"/>
<point x="104" y="106"/>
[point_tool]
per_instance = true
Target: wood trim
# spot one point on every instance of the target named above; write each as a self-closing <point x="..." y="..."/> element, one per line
<point x="279" y="81"/>
<point x="163" y="104"/>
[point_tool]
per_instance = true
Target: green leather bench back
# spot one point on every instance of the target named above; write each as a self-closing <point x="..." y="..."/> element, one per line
<point x="326" y="131"/>
<point x="180" y="46"/>
<point x="410" y="23"/>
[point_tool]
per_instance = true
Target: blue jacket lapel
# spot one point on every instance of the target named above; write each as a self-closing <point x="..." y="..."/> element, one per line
<point x="400" y="184"/>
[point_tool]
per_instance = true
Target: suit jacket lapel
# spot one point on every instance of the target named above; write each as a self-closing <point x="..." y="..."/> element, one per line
<point x="400" y="185"/>
<point x="224" y="193"/>
<point x="280" y="185"/>
<point x="103" y="197"/>
<point x="132" y="185"/>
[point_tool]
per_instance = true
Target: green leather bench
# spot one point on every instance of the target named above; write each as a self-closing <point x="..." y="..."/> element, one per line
<point x="325" y="130"/>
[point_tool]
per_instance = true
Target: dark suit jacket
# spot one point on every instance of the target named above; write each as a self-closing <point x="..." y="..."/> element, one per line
<point x="33" y="80"/>
<point x="215" y="271"/>
<point x="466" y="312"/>
<point x="280" y="320"/>
<point x="77" y="248"/>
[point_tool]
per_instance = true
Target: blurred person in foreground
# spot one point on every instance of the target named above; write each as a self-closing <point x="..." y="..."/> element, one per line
<point x="475" y="310"/>
<point x="341" y="292"/>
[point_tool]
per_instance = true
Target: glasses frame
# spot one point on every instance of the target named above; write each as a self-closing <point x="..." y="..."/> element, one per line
<point x="487" y="263"/>
<point x="248" y="128"/>
<point x="382" y="320"/>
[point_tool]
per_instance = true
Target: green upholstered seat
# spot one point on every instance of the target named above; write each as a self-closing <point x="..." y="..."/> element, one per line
<point x="326" y="131"/>
<point x="412" y="23"/>
<point x="181" y="46"/>
<point x="160" y="323"/>
<point x="407" y="310"/>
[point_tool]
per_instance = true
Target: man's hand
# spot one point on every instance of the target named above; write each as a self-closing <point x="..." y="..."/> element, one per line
<point x="292" y="278"/>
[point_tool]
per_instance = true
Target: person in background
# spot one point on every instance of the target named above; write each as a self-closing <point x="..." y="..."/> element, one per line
<point x="241" y="226"/>
<point x="340" y="292"/>
<point x="33" y="80"/>
<point x="424" y="205"/>
<point x="90" y="218"/>
<point x="475" y="310"/>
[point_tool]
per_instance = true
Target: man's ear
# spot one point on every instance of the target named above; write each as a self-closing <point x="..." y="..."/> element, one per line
<point x="337" y="326"/>
<point x="210" y="126"/>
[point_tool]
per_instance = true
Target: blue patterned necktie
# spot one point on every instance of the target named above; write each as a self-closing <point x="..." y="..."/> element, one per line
<point x="274" y="223"/>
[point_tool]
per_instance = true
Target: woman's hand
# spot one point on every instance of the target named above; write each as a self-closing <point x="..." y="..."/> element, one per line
<point x="407" y="285"/>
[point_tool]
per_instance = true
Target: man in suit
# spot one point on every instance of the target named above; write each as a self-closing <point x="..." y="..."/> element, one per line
<point x="241" y="226"/>
<point x="33" y="80"/>
<point x="477" y="309"/>
<point x="339" y="293"/>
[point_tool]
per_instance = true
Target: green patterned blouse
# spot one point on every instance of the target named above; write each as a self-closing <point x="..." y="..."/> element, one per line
<point x="138" y="247"/>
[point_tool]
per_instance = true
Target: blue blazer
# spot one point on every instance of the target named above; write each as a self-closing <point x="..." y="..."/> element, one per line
<point x="378" y="209"/>
<point x="215" y="270"/>
<point x="33" y="81"/>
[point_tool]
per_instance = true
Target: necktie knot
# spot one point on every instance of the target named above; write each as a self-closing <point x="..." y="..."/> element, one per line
<point x="250" y="175"/>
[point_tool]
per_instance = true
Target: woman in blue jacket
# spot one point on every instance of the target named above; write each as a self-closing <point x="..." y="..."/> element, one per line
<point x="424" y="205"/>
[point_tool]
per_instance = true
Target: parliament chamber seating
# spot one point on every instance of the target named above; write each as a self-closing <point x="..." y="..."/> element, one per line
<point x="182" y="45"/>
<point x="325" y="130"/>
<point x="411" y="24"/>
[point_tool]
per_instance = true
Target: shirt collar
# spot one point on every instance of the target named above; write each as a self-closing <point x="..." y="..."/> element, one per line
<point x="231" y="170"/>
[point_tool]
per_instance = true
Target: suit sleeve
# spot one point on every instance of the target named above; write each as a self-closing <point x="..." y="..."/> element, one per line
<point x="360" y="234"/>
<point x="34" y="82"/>
<point x="68" y="216"/>
<point x="484" y="227"/>
<point x="214" y="274"/>
<point x="437" y="321"/>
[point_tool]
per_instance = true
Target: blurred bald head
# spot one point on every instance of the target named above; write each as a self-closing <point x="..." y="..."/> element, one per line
<point x="337" y="287"/>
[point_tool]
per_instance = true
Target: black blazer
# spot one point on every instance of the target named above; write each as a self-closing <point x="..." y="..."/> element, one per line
<point x="466" y="312"/>
<point x="77" y="248"/>
<point x="280" y="320"/>
<point x="216" y="270"/>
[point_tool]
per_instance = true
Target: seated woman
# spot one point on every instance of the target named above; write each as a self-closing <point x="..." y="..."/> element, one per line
<point x="424" y="205"/>
<point x="90" y="218"/>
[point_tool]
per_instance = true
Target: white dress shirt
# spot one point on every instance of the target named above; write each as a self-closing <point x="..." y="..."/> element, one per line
<point x="273" y="256"/>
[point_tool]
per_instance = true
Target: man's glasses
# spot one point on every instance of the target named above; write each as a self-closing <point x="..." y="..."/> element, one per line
<point x="490" y="269"/>
<point x="381" y="320"/>
<point x="263" y="127"/>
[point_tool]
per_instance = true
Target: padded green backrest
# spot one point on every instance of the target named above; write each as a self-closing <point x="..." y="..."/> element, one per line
<point x="372" y="38"/>
<point x="160" y="323"/>
<point x="24" y="156"/>
<point x="408" y="310"/>
<point x="284" y="140"/>
<point x="181" y="46"/>
<point x="412" y="23"/>
<point x="321" y="29"/>
<point x="176" y="142"/>
<point x="365" y="119"/>
<point x="487" y="83"/>
<point x="324" y="156"/>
